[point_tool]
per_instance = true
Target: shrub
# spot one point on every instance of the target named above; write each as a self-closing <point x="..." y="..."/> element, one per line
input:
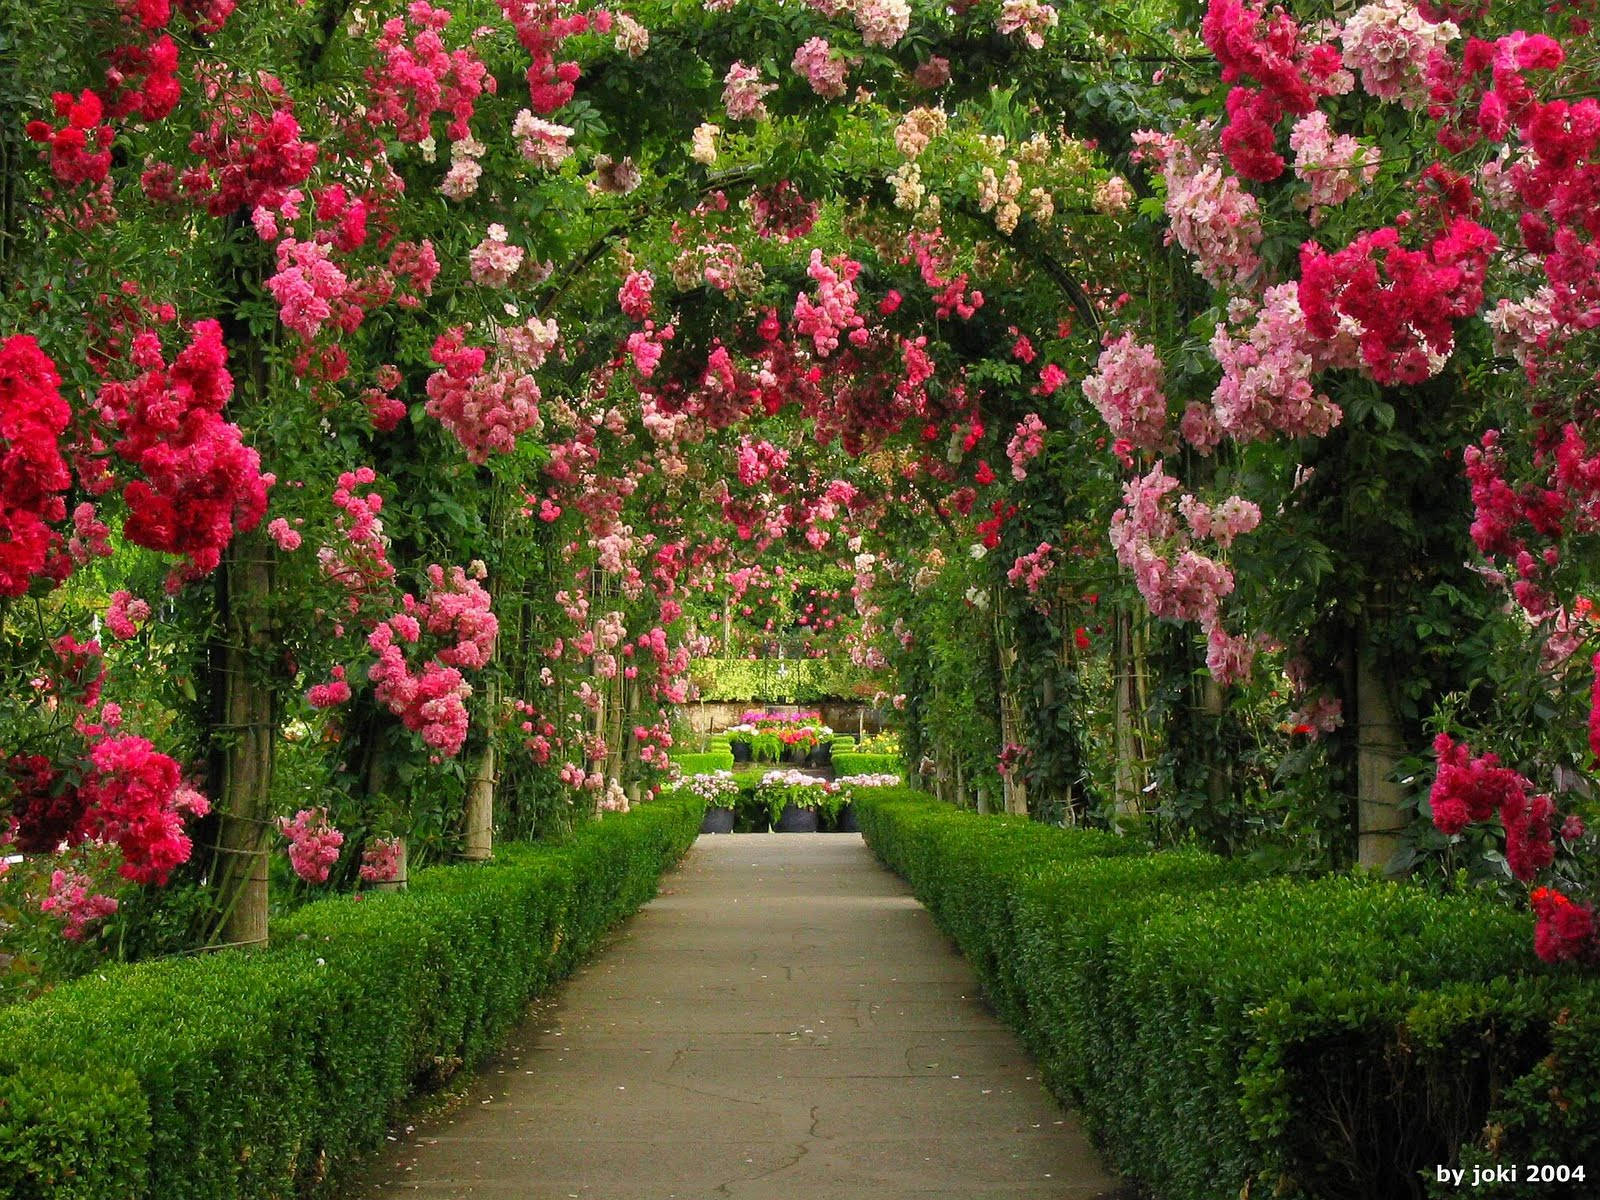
<point x="849" y="762"/>
<point x="715" y="759"/>
<point x="267" y="1074"/>
<point x="1332" y="1038"/>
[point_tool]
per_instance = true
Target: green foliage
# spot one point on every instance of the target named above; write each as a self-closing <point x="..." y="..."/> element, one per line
<point x="266" y="1074"/>
<point x="787" y="681"/>
<point x="699" y="764"/>
<point x="854" y="763"/>
<point x="72" y="1134"/>
<point x="1329" y="1039"/>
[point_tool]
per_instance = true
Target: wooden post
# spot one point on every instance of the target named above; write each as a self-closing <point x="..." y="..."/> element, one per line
<point x="244" y="746"/>
<point x="1379" y="747"/>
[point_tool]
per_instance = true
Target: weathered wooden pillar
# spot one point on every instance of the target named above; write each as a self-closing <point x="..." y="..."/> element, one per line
<point x="1379" y="748"/>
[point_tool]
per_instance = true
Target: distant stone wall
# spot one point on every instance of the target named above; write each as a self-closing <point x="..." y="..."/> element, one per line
<point x="840" y="716"/>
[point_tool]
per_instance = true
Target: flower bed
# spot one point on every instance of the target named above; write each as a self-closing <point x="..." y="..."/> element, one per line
<point x="1332" y="1039"/>
<point x="267" y="1074"/>
<point x="770" y="734"/>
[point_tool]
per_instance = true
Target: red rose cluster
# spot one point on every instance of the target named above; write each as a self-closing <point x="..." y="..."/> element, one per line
<point x="33" y="473"/>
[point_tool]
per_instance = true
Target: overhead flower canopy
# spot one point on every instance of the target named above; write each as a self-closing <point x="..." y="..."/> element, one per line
<point x="431" y="387"/>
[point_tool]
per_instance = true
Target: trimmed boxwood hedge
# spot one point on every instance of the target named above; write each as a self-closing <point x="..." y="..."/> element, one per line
<point x="855" y="763"/>
<point x="1329" y="1039"/>
<point x="691" y="763"/>
<point x="267" y="1074"/>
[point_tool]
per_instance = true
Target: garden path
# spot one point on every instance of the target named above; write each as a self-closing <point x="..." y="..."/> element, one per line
<point x="783" y="1021"/>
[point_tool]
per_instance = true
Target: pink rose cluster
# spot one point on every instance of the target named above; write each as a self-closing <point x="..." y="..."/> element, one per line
<point x="417" y="76"/>
<point x="1175" y="579"/>
<point x="72" y="898"/>
<point x="380" y="860"/>
<point x="1126" y="389"/>
<point x="823" y="67"/>
<point x="833" y="314"/>
<point x="1026" y="444"/>
<point x="1209" y="214"/>
<point x="743" y="93"/>
<point x="313" y="843"/>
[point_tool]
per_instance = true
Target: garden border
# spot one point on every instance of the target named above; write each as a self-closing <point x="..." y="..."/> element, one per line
<point x="112" y="1087"/>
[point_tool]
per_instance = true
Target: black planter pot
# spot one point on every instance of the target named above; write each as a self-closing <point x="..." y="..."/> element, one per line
<point x="821" y="755"/>
<point x="793" y="755"/>
<point x="718" y="820"/>
<point x="741" y="751"/>
<point x="796" y="820"/>
<point x="846" y="822"/>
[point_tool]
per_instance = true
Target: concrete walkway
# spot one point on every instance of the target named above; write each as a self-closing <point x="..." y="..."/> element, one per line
<point x="784" y="1021"/>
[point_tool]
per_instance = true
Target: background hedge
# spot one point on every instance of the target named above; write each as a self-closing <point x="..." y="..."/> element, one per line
<point x="692" y="763"/>
<point x="1329" y="1039"/>
<point x="853" y="762"/>
<point x="782" y="681"/>
<point x="266" y="1075"/>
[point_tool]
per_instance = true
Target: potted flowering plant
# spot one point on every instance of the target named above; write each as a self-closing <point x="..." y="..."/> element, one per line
<point x="844" y="817"/>
<point x="720" y="790"/>
<point x="793" y="800"/>
<point x="739" y="739"/>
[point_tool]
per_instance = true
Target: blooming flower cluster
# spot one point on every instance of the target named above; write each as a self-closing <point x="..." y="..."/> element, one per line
<point x="487" y="410"/>
<point x="33" y="474"/>
<point x="80" y="150"/>
<point x="1030" y="570"/>
<point x="743" y="93"/>
<point x="1267" y="373"/>
<point x="716" y="788"/>
<point x="1026" y="444"/>
<point x="198" y="483"/>
<point x="1389" y="44"/>
<point x="252" y="154"/>
<point x="313" y="843"/>
<point x="380" y="860"/>
<point x="1126" y="389"/>
<point x="833" y="314"/>
<point x="1469" y="789"/>
<point x="417" y="76"/>
<point x="542" y="142"/>
<point x="72" y="898"/>
<point x="134" y="797"/>
<point x="1404" y="302"/>
<point x="494" y="261"/>
<point x="824" y="68"/>
<point x="1031" y="19"/>
<point x="1335" y="167"/>
<point x="125" y="614"/>
<point x="1175" y="579"/>
<point x="882" y="779"/>
<point x="1209" y="214"/>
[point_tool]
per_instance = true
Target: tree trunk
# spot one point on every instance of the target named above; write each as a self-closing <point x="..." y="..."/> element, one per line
<point x="1379" y="748"/>
<point x="243" y="747"/>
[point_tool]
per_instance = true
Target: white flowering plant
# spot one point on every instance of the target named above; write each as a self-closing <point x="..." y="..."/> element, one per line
<point x="719" y="789"/>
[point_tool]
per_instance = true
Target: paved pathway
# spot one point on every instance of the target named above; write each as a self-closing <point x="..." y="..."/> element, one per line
<point x="784" y="1021"/>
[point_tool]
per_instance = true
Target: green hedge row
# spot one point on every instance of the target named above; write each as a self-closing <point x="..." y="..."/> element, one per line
<point x="855" y="763"/>
<point x="1330" y="1039"/>
<point x="691" y="763"/>
<point x="266" y="1075"/>
<point x="788" y="681"/>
